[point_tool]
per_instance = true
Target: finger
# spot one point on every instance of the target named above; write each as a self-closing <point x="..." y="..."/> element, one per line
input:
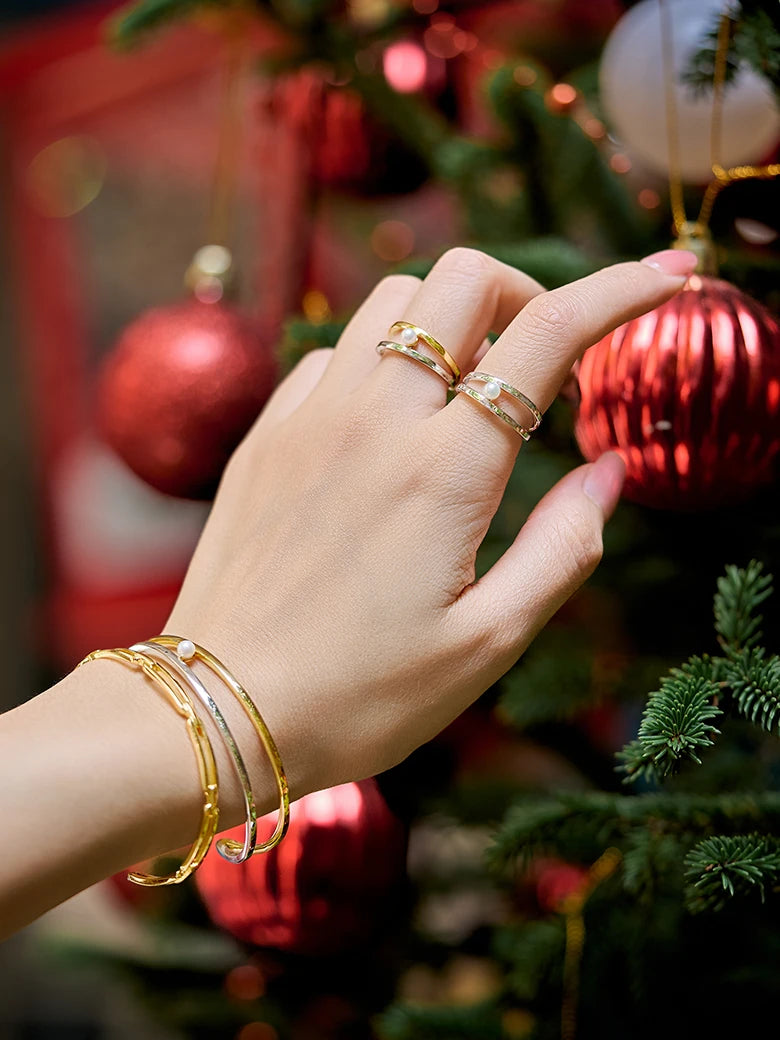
<point x="295" y="387"/>
<point x="538" y="348"/>
<point x="558" y="547"/>
<point x="466" y="295"/>
<point x="356" y="354"/>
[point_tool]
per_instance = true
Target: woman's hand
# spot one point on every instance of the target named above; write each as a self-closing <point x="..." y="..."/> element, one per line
<point x="335" y="576"/>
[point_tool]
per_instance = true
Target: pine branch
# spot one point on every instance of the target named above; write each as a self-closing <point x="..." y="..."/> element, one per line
<point x="129" y="25"/>
<point x="739" y="593"/>
<point x="722" y="867"/>
<point x="579" y="827"/>
<point x="552" y="682"/>
<point x="412" y="1022"/>
<point x="755" y="683"/>
<point x="648" y="859"/>
<point x="677" y="721"/>
<point x="754" y="41"/>
<point x="637" y="763"/>
<point x="533" y="951"/>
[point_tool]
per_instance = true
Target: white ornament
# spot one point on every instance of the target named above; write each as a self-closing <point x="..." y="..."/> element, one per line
<point x="491" y="390"/>
<point x="633" y="93"/>
<point x="409" y="337"/>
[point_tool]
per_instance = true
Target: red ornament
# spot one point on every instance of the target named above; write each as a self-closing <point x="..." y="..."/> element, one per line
<point x="689" y="394"/>
<point x="180" y="390"/>
<point x="556" y="881"/>
<point x="348" y="149"/>
<point x="324" y="887"/>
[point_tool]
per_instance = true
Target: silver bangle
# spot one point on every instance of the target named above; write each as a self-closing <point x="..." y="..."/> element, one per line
<point x="169" y="658"/>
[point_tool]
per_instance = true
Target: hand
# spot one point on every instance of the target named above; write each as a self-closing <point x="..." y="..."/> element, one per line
<point x="335" y="576"/>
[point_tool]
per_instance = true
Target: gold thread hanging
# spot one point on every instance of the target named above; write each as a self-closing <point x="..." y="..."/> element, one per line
<point x="223" y="188"/>
<point x="573" y="911"/>
<point x="692" y="232"/>
<point x="210" y="273"/>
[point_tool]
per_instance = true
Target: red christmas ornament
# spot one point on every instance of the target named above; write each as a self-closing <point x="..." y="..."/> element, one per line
<point x="323" y="888"/>
<point x="349" y="149"/>
<point x="689" y="394"/>
<point x="556" y="880"/>
<point x="180" y="390"/>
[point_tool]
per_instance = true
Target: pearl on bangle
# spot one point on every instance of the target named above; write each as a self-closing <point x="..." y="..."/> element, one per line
<point x="185" y="650"/>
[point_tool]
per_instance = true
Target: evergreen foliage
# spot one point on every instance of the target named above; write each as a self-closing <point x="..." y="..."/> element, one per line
<point x="707" y="841"/>
<point x="678" y="720"/>
<point x="721" y="867"/>
<point x="415" y="1022"/>
<point x="754" y="41"/>
<point x="739" y="593"/>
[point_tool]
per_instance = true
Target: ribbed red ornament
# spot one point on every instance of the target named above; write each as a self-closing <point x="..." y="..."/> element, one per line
<point x="182" y="387"/>
<point x="689" y="394"/>
<point x="325" y="887"/>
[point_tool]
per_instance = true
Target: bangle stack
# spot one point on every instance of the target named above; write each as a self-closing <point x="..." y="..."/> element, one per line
<point x="165" y="660"/>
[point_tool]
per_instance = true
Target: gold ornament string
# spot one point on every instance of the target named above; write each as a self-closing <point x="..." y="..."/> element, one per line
<point x="223" y="188"/>
<point x="573" y="908"/>
<point x="210" y="273"/>
<point x="722" y="177"/>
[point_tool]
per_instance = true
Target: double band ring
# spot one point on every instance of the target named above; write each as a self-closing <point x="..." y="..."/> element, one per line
<point x="400" y="348"/>
<point x="410" y="335"/>
<point x="491" y="389"/>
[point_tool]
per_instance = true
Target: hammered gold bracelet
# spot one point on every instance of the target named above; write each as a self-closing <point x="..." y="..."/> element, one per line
<point x="204" y="753"/>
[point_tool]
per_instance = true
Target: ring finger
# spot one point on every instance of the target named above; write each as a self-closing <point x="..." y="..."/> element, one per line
<point x="466" y="295"/>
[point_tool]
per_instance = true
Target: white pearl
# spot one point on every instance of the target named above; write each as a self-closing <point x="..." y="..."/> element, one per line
<point x="409" y="337"/>
<point x="186" y="650"/>
<point x="491" y="390"/>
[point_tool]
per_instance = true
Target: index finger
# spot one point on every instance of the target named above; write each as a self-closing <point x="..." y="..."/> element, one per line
<point x="538" y="348"/>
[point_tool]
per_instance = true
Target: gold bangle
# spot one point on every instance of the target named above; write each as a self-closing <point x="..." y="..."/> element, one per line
<point x="186" y="649"/>
<point x="204" y="753"/>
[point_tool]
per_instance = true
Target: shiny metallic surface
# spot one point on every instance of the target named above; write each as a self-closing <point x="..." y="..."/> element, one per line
<point x="167" y="657"/>
<point x="327" y="887"/>
<point x="689" y="395"/>
<point x="182" y="387"/>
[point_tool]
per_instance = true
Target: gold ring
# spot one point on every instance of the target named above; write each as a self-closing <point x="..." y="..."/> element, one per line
<point x="491" y="390"/>
<point x="412" y="334"/>
<point x="400" y="348"/>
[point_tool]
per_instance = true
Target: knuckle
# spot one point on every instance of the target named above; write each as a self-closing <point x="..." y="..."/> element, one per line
<point x="577" y="543"/>
<point x="553" y="314"/>
<point x="464" y="264"/>
<point x="318" y="358"/>
<point x="397" y="284"/>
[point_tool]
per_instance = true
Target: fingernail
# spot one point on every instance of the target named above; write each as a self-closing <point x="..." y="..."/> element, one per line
<point x="673" y="261"/>
<point x="604" y="482"/>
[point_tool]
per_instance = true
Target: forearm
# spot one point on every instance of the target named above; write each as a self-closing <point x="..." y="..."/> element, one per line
<point x="97" y="774"/>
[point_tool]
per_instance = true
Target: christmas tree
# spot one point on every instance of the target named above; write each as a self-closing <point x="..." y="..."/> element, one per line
<point x="595" y="846"/>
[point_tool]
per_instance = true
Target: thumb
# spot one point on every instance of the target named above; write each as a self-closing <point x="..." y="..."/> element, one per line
<point x="558" y="547"/>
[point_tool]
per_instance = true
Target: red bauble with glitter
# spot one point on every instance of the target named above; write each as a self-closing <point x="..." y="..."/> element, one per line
<point x="327" y="885"/>
<point x="689" y="394"/>
<point x="179" y="392"/>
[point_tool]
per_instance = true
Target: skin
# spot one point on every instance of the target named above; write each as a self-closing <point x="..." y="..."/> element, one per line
<point x="335" y="577"/>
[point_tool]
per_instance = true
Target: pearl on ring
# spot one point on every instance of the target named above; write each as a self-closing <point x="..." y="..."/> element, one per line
<point x="409" y="337"/>
<point x="185" y="650"/>
<point x="491" y="390"/>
